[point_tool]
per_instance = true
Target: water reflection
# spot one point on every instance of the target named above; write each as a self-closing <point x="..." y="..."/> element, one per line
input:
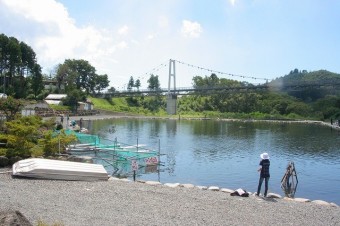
<point x="171" y="128"/>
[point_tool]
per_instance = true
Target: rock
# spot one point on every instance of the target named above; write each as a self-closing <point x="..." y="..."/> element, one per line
<point x="301" y="200"/>
<point x="213" y="188"/>
<point x="125" y="180"/>
<point x="202" y="187"/>
<point x="274" y="195"/>
<point x="113" y="178"/>
<point x="227" y="190"/>
<point x="153" y="182"/>
<point x="333" y="204"/>
<point x="4" y="161"/>
<point x="321" y="202"/>
<point x="172" y="185"/>
<point x="188" y="185"/>
<point x="141" y="181"/>
<point x="118" y="179"/>
<point x="13" y="218"/>
<point x="62" y="157"/>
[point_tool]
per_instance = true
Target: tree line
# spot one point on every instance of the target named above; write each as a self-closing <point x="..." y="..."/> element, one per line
<point x="21" y="76"/>
<point x="314" y="103"/>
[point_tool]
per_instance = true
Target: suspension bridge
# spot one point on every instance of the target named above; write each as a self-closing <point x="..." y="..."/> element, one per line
<point x="172" y="91"/>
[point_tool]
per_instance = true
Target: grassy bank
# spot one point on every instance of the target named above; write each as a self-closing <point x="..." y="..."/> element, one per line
<point x="121" y="105"/>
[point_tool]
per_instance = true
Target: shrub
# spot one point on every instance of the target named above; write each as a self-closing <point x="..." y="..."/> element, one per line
<point x="4" y="161"/>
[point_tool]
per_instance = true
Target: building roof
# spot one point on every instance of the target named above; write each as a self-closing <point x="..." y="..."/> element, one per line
<point x="55" y="102"/>
<point x="56" y="96"/>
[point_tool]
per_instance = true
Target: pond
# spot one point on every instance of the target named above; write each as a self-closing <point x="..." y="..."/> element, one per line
<point x="227" y="153"/>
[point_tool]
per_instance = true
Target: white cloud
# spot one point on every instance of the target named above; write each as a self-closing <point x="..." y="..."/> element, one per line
<point x="39" y="10"/>
<point x="122" y="45"/>
<point x="232" y="2"/>
<point x="191" y="29"/>
<point x="150" y="36"/>
<point x="123" y="30"/>
<point x="163" y="22"/>
<point x="53" y="34"/>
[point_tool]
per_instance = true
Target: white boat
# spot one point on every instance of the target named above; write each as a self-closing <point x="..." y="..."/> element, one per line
<point x="59" y="170"/>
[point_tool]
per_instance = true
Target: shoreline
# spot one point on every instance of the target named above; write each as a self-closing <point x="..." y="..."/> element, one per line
<point x="123" y="202"/>
<point x="126" y="115"/>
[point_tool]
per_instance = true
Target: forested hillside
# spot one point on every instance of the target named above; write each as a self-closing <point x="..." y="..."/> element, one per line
<point x="300" y="94"/>
<point x="309" y="86"/>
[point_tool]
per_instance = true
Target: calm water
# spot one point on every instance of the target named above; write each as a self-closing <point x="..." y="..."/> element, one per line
<point x="226" y="154"/>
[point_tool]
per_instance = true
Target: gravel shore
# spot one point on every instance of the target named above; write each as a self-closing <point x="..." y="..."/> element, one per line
<point x="119" y="202"/>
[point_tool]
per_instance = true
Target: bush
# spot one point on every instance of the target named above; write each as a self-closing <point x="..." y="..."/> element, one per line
<point x="14" y="159"/>
<point x="4" y="161"/>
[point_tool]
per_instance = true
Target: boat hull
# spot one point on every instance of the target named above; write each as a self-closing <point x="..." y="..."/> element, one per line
<point x="59" y="170"/>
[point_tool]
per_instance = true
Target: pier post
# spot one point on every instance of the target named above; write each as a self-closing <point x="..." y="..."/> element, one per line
<point x="171" y="104"/>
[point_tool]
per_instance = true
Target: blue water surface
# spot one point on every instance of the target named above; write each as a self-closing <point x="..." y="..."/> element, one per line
<point x="227" y="154"/>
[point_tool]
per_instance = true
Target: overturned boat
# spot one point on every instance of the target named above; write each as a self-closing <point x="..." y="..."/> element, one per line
<point x="59" y="170"/>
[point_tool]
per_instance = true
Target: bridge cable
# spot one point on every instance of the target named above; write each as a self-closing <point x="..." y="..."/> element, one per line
<point x="155" y="69"/>
<point x="220" y="72"/>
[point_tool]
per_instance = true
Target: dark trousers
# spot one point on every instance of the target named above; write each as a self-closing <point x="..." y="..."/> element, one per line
<point x="265" y="185"/>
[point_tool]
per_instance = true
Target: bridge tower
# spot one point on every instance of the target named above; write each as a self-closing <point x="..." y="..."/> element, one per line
<point x="171" y="104"/>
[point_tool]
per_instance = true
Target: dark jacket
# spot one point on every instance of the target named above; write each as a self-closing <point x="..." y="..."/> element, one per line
<point x="265" y="163"/>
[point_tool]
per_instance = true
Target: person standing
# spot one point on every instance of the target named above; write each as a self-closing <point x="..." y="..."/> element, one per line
<point x="81" y="123"/>
<point x="264" y="173"/>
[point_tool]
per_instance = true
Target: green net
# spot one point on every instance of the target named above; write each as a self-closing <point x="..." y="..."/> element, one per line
<point x="84" y="138"/>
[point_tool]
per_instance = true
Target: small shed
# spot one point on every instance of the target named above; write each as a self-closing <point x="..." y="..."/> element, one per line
<point x="55" y="99"/>
<point x="86" y="106"/>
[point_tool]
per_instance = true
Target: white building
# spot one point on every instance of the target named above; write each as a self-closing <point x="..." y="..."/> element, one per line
<point x="55" y="99"/>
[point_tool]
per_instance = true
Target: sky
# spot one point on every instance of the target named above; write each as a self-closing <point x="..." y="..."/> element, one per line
<point x="245" y="40"/>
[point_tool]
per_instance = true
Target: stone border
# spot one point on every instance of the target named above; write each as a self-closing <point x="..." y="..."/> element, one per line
<point x="225" y="190"/>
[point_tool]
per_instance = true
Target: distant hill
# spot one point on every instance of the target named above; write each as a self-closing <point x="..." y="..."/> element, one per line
<point x="308" y="86"/>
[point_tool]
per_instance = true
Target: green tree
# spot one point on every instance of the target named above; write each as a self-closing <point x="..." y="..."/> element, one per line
<point x="28" y="59"/>
<point x="10" y="107"/>
<point x="21" y="136"/>
<point x="17" y="60"/>
<point x="63" y="72"/>
<point x="156" y="102"/>
<point x="73" y="97"/>
<point x="111" y="90"/>
<point x="14" y="56"/>
<point x="131" y="84"/>
<point x="52" y="144"/>
<point x="31" y="136"/>
<point x="100" y="83"/>
<point x="137" y="84"/>
<point x="154" y="83"/>
<point x="37" y="80"/>
<point x="81" y="75"/>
